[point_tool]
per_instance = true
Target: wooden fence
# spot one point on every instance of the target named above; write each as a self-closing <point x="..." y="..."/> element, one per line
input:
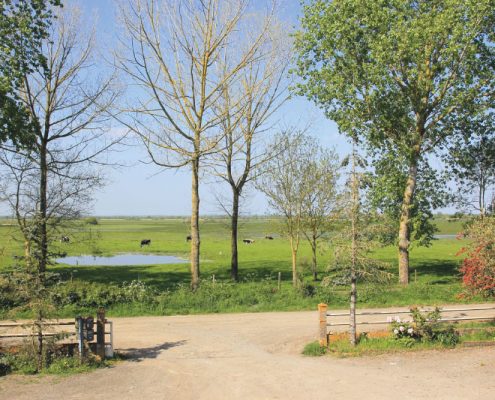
<point x="11" y="332"/>
<point x="328" y="320"/>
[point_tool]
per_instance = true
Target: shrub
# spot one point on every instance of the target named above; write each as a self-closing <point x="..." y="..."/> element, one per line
<point x="10" y="295"/>
<point x="92" y="295"/>
<point x="90" y="221"/>
<point x="478" y="268"/>
<point x="402" y="329"/>
<point x="23" y="360"/>
<point x="4" y="365"/>
<point x="425" y="327"/>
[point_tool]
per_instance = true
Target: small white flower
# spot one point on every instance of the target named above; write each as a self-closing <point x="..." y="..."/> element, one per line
<point x="410" y="331"/>
<point x="402" y="329"/>
<point x="396" y="331"/>
<point x="397" y="319"/>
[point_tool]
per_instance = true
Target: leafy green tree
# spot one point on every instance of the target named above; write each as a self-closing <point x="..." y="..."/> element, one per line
<point x="394" y="71"/>
<point x="23" y="26"/>
<point x="471" y="158"/>
<point x="385" y="192"/>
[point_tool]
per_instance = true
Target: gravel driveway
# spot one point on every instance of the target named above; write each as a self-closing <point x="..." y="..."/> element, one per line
<point x="257" y="356"/>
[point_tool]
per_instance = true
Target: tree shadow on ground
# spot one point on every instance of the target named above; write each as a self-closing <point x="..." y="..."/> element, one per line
<point x="140" y="354"/>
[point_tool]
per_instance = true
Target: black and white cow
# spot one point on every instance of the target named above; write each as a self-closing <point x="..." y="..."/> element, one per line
<point x="145" y="242"/>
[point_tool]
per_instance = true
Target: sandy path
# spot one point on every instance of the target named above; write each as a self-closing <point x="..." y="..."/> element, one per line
<point x="257" y="356"/>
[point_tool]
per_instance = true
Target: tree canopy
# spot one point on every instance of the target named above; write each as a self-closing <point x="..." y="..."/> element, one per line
<point x="23" y="26"/>
<point x="394" y="72"/>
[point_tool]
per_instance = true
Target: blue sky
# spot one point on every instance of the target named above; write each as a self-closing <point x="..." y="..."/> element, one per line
<point x="145" y="189"/>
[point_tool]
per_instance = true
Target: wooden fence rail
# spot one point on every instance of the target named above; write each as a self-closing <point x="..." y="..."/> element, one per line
<point x="101" y="336"/>
<point x="326" y="319"/>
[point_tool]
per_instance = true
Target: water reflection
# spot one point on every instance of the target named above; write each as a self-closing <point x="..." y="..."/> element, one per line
<point x="121" y="259"/>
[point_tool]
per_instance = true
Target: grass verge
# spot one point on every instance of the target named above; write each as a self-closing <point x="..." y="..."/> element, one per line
<point x="377" y="343"/>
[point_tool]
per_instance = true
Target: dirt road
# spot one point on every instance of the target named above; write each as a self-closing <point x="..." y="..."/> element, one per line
<point x="257" y="356"/>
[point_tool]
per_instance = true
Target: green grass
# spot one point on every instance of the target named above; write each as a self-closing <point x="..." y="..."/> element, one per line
<point x="314" y="349"/>
<point x="376" y="346"/>
<point x="433" y="274"/>
<point x="61" y="366"/>
<point x="385" y="343"/>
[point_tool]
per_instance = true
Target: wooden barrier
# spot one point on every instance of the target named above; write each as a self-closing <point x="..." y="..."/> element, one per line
<point x="325" y="318"/>
<point x="19" y="330"/>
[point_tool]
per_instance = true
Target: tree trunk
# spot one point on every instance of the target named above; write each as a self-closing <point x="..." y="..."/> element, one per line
<point x="314" y="263"/>
<point x="43" y="236"/>
<point x="405" y="216"/>
<point x="295" y="279"/>
<point x="42" y="259"/>
<point x="294" y="247"/>
<point x="39" y="333"/>
<point x="481" y="197"/>
<point x="234" y="266"/>
<point x="195" y="240"/>
<point x="354" y="248"/>
<point x="352" y="311"/>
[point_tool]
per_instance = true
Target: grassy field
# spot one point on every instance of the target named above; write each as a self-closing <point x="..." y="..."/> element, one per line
<point x="434" y="270"/>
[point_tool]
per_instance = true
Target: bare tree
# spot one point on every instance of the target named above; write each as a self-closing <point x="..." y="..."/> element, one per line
<point x="51" y="182"/>
<point x="284" y="181"/>
<point x="174" y="52"/>
<point x="246" y="106"/>
<point x="357" y="239"/>
<point x="322" y="205"/>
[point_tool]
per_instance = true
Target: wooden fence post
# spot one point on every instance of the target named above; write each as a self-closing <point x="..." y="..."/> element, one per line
<point x="322" y="310"/>
<point x="80" y="337"/>
<point x="100" y="333"/>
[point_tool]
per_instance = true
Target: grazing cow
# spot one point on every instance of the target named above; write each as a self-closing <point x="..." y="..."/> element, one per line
<point x="65" y="239"/>
<point x="269" y="237"/>
<point x="145" y="242"/>
<point x="248" y="241"/>
<point x="188" y="238"/>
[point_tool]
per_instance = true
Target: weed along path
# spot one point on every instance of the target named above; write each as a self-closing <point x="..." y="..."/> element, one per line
<point x="257" y="356"/>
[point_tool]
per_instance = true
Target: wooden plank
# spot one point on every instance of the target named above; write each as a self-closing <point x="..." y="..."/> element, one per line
<point x="21" y="335"/>
<point x="409" y="321"/>
<point x="443" y="310"/>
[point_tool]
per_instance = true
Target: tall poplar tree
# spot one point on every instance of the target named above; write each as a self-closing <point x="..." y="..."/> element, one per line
<point x="397" y="71"/>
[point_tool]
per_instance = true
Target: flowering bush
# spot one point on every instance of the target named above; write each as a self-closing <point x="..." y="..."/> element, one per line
<point x="478" y="268"/>
<point x="402" y="329"/>
<point x="425" y="327"/>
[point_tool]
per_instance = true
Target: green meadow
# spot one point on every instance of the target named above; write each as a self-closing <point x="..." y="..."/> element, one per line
<point x="164" y="288"/>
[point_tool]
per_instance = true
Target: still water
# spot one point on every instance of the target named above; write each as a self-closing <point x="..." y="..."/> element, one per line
<point x="121" y="259"/>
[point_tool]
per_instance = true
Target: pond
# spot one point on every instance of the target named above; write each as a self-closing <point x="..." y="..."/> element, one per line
<point x="451" y="236"/>
<point x="121" y="259"/>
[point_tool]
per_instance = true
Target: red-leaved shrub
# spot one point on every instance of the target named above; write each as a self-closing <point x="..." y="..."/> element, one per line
<point x="478" y="268"/>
